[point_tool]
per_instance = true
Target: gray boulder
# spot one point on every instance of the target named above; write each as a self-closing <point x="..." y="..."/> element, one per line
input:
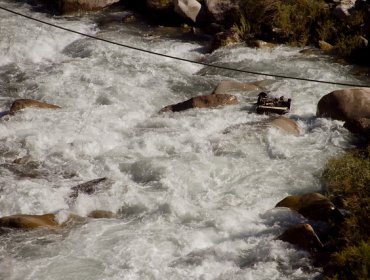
<point x="345" y="104"/>
<point x="188" y="8"/>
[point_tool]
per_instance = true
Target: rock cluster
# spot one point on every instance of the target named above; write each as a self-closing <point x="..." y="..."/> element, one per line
<point x="51" y="221"/>
<point x="314" y="207"/>
<point x="353" y="107"/>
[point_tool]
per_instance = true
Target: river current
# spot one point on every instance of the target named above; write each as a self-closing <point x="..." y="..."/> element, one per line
<point x="194" y="192"/>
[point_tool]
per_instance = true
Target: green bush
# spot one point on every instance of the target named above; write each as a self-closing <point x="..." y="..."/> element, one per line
<point x="255" y="16"/>
<point x="353" y="262"/>
<point x="303" y="22"/>
<point x="348" y="177"/>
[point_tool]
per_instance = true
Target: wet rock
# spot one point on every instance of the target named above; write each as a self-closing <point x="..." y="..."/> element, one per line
<point x="303" y="236"/>
<point x="226" y="38"/>
<point x="78" y="6"/>
<point x="47" y="221"/>
<point x="29" y="103"/>
<point x="90" y="187"/>
<point x="101" y="214"/>
<point x="27" y="169"/>
<point x="188" y="8"/>
<point x="345" y="105"/>
<point x="204" y="101"/>
<point x="313" y="206"/>
<point x="23" y="160"/>
<point x="227" y="86"/>
<point x="287" y="125"/>
<point x="359" y="126"/>
<point x="262" y="44"/>
<point x="324" y="46"/>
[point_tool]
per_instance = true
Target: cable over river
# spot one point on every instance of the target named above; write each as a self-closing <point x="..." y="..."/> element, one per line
<point x="193" y="192"/>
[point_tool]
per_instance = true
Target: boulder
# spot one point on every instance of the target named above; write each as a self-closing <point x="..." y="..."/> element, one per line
<point x="285" y="124"/>
<point x="324" y="46"/>
<point x="47" y="221"/>
<point x="227" y="86"/>
<point x="313" y="206"/>
<point x="345" y="104"/>
<point x="188" y="8"/>
<point x="78" y="6"/>
<point x="222" y="11"/>
<point x="303" y="236"/>
<point x="29" y="103"/>
<point x="204" y="101"/>
<point x="359" y="126"/>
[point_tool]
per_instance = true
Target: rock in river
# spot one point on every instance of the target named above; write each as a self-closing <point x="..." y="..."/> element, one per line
<point x="47" y="221"/>
<point x="345" y="104"/>
<point x="303" y="236"/>
<point x="204" y="101"/>
<point x="29" y="103"/>
<point x="313" y="206"/>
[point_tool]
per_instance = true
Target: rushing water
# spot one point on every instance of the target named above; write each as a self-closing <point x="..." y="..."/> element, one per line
<point x="193" y="202"/>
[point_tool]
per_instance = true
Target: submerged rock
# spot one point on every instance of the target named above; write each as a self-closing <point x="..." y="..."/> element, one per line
<point x="287" y="125"/>
<point x="345" y="104"/>
<point x="204" y="101"/>
<point x="47" y="221"/>
<point x="359" y="126"/>
<point x="303" y="236"/>
<point x="313" y="206"/>
<point x="90" y="187"/>
<point x="29" y="103"/>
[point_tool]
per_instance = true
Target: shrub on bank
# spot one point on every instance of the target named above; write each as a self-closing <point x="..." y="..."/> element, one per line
<point x="348" y="177"/>
<point x="303" y="22"/>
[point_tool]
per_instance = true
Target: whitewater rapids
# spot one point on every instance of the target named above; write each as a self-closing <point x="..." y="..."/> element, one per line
<point x="193" y="202"/>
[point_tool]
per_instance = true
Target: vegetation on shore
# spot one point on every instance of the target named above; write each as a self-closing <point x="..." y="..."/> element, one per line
<point x="304" y="22"/>
<point x="347" y="181"/>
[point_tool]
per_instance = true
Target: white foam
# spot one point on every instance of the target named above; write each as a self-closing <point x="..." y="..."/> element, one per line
<point x="193" y="192"/>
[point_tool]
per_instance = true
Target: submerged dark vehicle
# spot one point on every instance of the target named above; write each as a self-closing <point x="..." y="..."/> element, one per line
<point x="267" y="104"/>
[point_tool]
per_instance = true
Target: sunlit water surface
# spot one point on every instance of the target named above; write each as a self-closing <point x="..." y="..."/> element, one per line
<point x="193" y="202"/>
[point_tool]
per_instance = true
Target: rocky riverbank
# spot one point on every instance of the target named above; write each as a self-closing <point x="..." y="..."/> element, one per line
<point x="341" y="28"/>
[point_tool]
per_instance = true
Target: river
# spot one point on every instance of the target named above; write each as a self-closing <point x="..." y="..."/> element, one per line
<point x="192" y="201"/>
